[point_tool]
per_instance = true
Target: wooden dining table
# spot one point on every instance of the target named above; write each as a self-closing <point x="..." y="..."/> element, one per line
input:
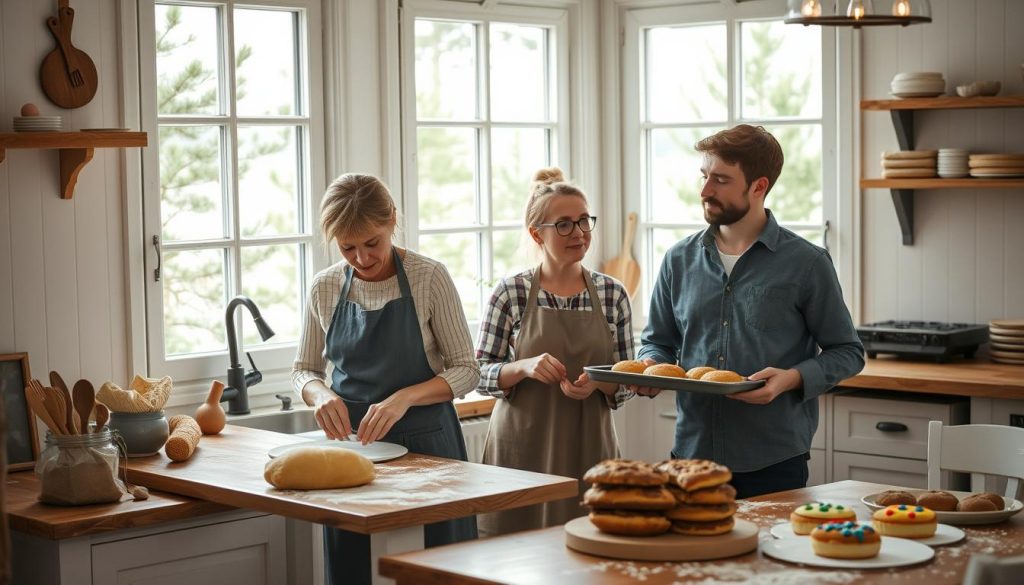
<point x="540" y="556"/>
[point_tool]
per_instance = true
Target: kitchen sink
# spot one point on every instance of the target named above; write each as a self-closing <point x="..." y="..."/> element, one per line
<point x="291" y="422"/>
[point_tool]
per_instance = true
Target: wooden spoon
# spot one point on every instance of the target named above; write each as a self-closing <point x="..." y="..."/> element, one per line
<point x="56" y="407"/>
<point x="83" y="397"/>
<point x="69" y="411"/>
<point x="102" y="414"/>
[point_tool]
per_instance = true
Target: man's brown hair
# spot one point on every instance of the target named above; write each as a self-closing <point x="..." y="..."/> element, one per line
<point x="752" y="147"/>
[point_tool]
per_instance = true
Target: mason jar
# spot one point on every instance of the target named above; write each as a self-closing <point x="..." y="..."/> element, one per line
<point x="79" y="469"/>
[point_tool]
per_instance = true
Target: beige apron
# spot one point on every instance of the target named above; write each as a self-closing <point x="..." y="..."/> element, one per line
<point x="538" y="428"/>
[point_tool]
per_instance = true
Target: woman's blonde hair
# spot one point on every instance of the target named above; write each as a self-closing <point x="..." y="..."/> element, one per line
<point x="547" y="183"/>
<point x="355" y="204"/>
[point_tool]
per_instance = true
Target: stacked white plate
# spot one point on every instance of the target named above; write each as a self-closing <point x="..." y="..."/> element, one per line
<point x="918" y="84"/>
<point x="953" y="163"/>
<point x="37" y="123"/>
<point x="1006" y="338"/>
<point x="909" y="164"/>
<point x="995" y="166"/>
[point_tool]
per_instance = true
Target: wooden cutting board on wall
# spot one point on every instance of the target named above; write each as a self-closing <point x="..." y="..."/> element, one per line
<point x="68" y="75"/>
<point x="623" y="267"/>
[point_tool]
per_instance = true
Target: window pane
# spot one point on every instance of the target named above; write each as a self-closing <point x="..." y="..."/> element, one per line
<point x="187" y="60"/>
<point x="271" y="277"/>
<point x="446" y="81"/>
<point x="446" y="165"/>
<point x="268" y="189"/>
<point x="460" y="253"/>
<point x="516" y="154"/>
<point x="519" y="73"/>
<point x="675" y="179"/>
<point x="686" y="73"/>
<point x="265" y="62"/>
<point x="509" y="257"/>
<point x="781" y="70"/>
<point x="816" y="237"/>
<point x="194" y="301"/>
<point x="191" y="185"/>
<point x="797" y="195"/>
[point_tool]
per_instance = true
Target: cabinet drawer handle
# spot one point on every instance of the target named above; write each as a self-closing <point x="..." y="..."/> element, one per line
<point x="668" y="414"/>
<point x="891" y="427"/>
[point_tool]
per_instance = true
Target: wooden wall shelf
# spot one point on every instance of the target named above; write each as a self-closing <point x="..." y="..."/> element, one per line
<point x="76" y="149"/>
<point x="902" y="112"/>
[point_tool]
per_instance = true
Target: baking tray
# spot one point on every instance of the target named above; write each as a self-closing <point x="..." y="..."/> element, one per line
<point x="605" y="374"/>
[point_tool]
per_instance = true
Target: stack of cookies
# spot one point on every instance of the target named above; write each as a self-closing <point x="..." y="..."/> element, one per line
<point x="705" y="502"/>
<point x="628" y="498"/>
<point x="909" y="164"/>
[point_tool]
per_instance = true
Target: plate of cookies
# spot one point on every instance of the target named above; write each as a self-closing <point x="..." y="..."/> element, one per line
<point x="951" y="507"/>
<point x="899" y="521"/>
<point x="848" y="545"/>
<point x="701" y="379"/>
<point x="676" y="510"/>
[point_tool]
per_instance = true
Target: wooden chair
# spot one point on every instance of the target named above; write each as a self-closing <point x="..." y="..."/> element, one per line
<point x="987" y="449"/>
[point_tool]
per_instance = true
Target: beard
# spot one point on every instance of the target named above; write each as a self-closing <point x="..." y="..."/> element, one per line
<point x="718" y="214"/>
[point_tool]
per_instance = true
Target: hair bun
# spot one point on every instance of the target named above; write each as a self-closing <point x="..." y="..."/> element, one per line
<point x="549" y="175"/>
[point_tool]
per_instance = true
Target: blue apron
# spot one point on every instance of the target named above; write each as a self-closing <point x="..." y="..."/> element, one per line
<point x="376" y="353"/>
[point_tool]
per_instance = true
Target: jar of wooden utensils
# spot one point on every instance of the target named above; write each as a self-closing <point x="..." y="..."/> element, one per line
<point x="79" y="469"/>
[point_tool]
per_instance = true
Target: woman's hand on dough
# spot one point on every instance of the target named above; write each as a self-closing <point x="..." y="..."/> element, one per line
<point x="545" y="368"/>
<point x="381" y="417"/>
<point x="332" y="415"/>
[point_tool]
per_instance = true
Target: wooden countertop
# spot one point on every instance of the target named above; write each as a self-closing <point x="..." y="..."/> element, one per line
<point x="540" y="556"/>
<point x="409" y="491"/>
<point x="27" y="514"/>
<point x="977" y="377"/>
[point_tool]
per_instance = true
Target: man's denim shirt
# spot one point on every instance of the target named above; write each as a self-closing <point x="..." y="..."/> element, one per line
<point x="781" y="304"/>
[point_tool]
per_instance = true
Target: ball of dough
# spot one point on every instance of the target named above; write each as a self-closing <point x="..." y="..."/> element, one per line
<point x="668" y="370"/>
<point x="29" y="109"/>
<point x="630" y="366"/>
<point x="318" y="468"/>
<point x="721" y="376"/>
<point x="696" y="373"/>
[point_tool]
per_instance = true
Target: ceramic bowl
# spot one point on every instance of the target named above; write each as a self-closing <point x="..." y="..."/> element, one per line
<point x="989" y="87"/>
<point x="143" y="433"/>
<point x="969" y="90"/>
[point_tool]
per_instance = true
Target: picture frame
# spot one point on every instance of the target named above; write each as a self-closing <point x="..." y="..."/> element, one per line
<point x="22" y="440"/>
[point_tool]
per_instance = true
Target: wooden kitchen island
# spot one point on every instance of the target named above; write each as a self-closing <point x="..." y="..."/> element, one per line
<point x="540" y="556"/>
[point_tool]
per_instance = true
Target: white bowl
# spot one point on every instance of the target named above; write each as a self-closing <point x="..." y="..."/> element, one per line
<point x="969" y="90"/>
<point x="917" y="75"/>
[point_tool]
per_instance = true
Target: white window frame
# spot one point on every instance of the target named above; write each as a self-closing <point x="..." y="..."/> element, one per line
<point x="837" y="192"/>
<point x="272" y="357"/>
<point x="557" y="21"/>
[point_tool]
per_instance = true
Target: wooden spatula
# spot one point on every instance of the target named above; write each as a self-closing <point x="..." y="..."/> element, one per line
<point x="623" y="267"/>
<point x="83" y="397"/>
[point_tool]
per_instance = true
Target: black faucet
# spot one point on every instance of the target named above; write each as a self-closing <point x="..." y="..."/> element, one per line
<point x="236" y="394"/>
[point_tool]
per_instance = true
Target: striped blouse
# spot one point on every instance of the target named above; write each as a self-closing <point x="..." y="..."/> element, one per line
<point x="503" y="318"/>
<point x="446" y="338"/>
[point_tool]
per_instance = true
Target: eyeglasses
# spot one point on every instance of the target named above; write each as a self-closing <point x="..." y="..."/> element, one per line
<point x="564" y="227"/>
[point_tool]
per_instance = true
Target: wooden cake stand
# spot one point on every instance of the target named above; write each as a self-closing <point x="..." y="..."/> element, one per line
<point x="582" y="536"/>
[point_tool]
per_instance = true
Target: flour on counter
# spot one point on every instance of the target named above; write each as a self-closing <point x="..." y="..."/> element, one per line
<point x="396" y="485"/>
<point x="709" y="572"/>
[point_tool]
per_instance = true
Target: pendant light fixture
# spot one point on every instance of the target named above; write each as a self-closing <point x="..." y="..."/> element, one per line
<point x="858" y="13"/>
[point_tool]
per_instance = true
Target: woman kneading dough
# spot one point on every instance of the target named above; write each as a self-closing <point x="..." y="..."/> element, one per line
<point x="391" y="324"/>
<point x="539" y="329"/>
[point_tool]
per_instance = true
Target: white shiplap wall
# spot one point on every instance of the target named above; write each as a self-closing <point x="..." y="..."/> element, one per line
<point x="62" y="276"/>
<point x="967" y="261"/>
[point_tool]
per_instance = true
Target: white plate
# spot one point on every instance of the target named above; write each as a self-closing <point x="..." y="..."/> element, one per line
<point x="944" y="534"/>
<point x="375" y="452"/>
<point x="997" y="175"/>
<point x="895" y="552"/>
<point x="957" y="518"/>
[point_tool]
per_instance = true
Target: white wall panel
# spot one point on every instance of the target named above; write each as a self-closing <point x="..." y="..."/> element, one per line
<point x="963" y="265"/>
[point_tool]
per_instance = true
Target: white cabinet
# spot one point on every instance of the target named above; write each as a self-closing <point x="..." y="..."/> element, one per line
<point x="816" y="467"/>
<point x="240" y="548"/>
<point x="883" y="438"/>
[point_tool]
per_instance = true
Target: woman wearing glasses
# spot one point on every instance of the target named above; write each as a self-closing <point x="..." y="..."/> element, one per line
<point x="539" y="329"/>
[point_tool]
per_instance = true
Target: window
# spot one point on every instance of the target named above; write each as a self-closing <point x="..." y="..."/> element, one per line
<point x="692" y="71"/>
<point x="230" y="186"/>
<point x="486" y="98"/>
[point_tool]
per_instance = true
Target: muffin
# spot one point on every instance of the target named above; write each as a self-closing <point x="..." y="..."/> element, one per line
<point x="938" y="500"/>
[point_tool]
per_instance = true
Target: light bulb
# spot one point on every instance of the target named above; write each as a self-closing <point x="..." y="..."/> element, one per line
<point x="856" y="9"/>
<point x="901" y="8"/>
<point x="810" y="8"/>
